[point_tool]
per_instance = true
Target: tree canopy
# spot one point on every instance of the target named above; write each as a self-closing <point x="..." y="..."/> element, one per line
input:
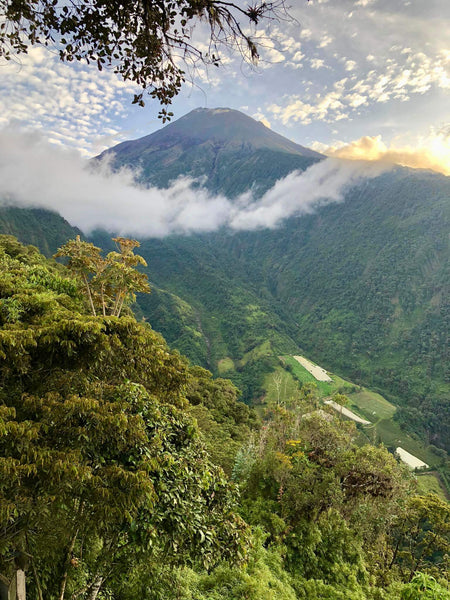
<point x="108" y="487"/>
<point x="149" y="42"/>
<point x="101" y="467"/>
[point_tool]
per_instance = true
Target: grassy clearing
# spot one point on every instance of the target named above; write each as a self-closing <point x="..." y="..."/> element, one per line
<point x="371" y="405"/>
<point x="429" y="482"/>
<point x="225" y="365"/>
<point x="324" y="388"/>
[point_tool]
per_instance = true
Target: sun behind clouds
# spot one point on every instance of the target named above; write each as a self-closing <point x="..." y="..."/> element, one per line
<point x="432" y="153"/>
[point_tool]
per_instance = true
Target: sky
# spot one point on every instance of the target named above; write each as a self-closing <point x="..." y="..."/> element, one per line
<point x="362" y="79"/>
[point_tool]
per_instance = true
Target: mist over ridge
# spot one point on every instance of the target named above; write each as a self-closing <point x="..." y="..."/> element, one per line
<point x="116" y="193"/>
<point x="347" y="260"/>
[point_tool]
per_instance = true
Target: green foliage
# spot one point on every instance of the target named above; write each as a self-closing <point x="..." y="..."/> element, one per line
<point x="424" y="587"/>
<point x="331" y="502"/>
<point x="225" y="422"/>
<point x="421" y="537"/>
<point x="110" y="281"/>
<point x="263" y="579"/>
<point x="104" y="478"/>
<point x="101" y="466"/>
<point x="140" y="42"/>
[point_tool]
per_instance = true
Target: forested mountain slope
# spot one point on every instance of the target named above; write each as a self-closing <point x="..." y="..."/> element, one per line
<point x="111" y="448"/>
<point x="362" y="286"/>
<point x="42" y="228"/>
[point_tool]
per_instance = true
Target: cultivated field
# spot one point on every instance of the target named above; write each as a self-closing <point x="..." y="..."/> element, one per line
<point x="316" y="371"/>
<point x="346" y="412"/>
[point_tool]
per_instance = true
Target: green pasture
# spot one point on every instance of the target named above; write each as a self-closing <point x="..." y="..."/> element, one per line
<point x="324" y="388"/>
<point x="225" y="365"/>
<point x="429" y="483"/>
<point x="369" y="405"/>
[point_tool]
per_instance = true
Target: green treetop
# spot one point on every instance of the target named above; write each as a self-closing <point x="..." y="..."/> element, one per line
<point x="101" y="471"/>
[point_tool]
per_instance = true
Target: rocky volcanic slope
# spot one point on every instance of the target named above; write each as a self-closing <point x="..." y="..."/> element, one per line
<point x="224" y="148"/>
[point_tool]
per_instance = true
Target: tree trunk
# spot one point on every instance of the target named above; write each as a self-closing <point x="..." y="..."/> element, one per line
<point x="95" y="587"/>
<point x="102" y="291"/>
<point x="62" y="589"/>
<point x="121" y="305"/>
<point x="88" y="289"/>
<point x="117" y="302"/>
<point x="17" y="588"/>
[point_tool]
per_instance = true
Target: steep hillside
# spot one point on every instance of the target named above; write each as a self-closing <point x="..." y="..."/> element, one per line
<point x="361" y="286"/>
<point x="42" y="228"/>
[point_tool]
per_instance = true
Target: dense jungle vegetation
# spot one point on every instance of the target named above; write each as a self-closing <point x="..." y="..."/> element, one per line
<point x="127" y="473"/>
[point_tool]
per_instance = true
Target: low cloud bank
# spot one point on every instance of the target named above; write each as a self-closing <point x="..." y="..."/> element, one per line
<point x="434" y="154"/>
<point x="33" y="173"/>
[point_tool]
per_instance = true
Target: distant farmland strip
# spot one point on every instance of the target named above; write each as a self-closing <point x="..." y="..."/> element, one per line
<point x="346" y="412"/>
<point x="317" y="372"/>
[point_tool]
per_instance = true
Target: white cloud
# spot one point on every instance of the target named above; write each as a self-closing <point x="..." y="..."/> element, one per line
<point x="306" y="34"/>
<point x="44" y="92"/>
<point x="395" y="82"/>
<point x="317" y="63"/>
<point x="432" y="152"/>
<point x="259" y="116"/>
<point x="325" y="41"/>
<point x="36" y="174"/>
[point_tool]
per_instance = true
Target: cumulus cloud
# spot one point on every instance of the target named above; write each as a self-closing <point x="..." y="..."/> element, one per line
<point x="434" y="154"/>
<point x="75" y="103"/>
<point x="395" y="80"/>
<point x="33" y="173"/>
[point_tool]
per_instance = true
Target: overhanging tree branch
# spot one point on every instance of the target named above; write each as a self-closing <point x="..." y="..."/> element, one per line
<point x="140" y="40"/>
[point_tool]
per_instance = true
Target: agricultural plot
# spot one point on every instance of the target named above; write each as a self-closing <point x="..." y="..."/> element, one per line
<point x="369" y="406"/>
<point x="324" y="388"/>
<point x="316" y="371"/>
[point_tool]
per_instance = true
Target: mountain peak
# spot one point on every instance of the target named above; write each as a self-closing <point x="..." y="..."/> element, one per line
<point x="233" y="126"/>
<point x="218" y="125"/>
<point x="223" y="146"/>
